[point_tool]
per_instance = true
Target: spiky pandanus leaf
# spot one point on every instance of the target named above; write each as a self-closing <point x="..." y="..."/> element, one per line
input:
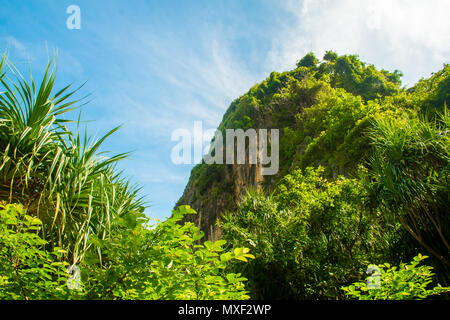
<point x="57" y="175"/>
<point x="411" y="170"/>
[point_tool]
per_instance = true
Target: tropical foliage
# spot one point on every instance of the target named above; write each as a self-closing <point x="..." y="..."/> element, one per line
<point x="27" y="270"/>
<point x="410" y="168"/>
<point x="58" y="176"/>
<point x="137" y="262"/>
<point x="164" y="262"/>
<point x="363" y="181"/>
<point x="406" y="282"/>
<point x="312" y="234"/>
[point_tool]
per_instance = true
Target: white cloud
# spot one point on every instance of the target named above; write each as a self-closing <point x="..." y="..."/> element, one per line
<point x="410" y="35"/>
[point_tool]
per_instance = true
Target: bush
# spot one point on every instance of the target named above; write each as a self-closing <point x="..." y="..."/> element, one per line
<point x="309" y="60"/>
<point x="407" y="282"/>
<point x="410" y="170"/>
<point x="311" y="235"/>
<point x="136" y="262"/>
<point x="164" y="262"/>
<point x="27" y="270"/>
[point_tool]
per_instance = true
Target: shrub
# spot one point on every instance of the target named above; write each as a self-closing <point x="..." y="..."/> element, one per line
<point x="410" y="170"/>
<point x="136" y="262"/>
<point x="27" y="270"/>
<point x="311" y="235"/>
<point x="407" y="282"/>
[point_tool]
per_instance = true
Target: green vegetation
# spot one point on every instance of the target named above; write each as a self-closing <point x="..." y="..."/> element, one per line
<point x="55" y="174"/>
<point x="136" y="262"/>
<point x="311" y="234"/>
<point x="28" y="271"/>
<point x="363" y="181"/>
<point x="165" y="262"/>
<point x="407" y="282"/>
<point x="410" y="172"/>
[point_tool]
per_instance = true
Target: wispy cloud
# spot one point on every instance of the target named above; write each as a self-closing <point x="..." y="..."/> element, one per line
<point x="206" y="75"/>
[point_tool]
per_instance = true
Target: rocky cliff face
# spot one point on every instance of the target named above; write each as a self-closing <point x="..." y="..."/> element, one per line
<point x="221" y="194"/>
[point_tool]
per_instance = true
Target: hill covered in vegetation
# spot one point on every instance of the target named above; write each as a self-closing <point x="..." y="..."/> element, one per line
<point x="364" y="177"/>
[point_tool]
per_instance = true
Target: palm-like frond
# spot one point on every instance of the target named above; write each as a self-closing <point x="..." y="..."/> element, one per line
<point x="58" y="176"/>
<point x="411" y="170"/>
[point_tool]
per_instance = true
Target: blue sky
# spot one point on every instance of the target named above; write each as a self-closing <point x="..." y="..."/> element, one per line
<point x="155" y="66"/>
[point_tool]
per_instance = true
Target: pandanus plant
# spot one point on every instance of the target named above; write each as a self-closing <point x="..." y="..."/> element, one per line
<point x="57" y="175"/>
<point x="411" y="171"/>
